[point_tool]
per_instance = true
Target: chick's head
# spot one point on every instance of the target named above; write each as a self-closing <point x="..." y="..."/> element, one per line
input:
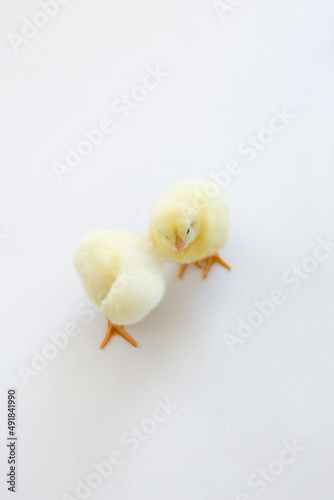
<point x="174" y="228"/>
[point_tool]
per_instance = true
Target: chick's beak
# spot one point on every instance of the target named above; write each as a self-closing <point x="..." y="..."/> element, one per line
<point x="180" y="245"/>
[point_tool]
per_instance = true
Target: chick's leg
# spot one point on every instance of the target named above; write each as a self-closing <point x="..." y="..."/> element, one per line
<point x="116" y="330"/>
<point x="183" y="266"/>
<point x="211" y="260"/>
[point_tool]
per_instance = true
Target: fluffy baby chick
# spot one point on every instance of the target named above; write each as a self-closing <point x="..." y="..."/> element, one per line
<point x="122" y="274"/>
<point x="191" y="222"/>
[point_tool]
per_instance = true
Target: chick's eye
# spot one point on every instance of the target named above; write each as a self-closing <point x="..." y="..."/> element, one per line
<point x="166" y="236"/>
<point x="188" y="230"/>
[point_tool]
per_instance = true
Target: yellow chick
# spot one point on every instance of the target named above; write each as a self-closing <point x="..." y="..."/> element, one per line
<point x="191" y="222"/>
<point x="122" y="275"/>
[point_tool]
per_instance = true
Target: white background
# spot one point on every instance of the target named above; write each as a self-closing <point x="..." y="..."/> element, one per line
<point x="235" y="409"/>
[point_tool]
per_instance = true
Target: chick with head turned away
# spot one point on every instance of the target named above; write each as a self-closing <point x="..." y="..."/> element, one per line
<point x="122" y="275"/>
<point x="190" y="223"/>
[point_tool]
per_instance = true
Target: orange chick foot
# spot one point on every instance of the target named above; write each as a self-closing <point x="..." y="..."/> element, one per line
<point x="116" y="330"/>
<point x="211" y="260"/>
<point x="182" y="268"/>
